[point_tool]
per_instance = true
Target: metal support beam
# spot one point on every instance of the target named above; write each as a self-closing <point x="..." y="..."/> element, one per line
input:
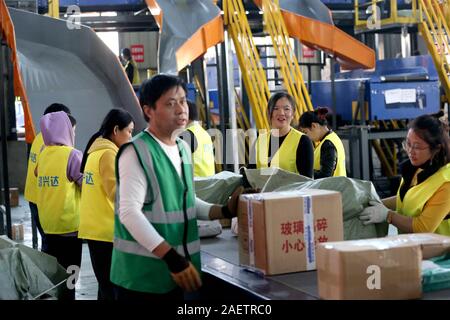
<point x="223" y="89"/>
<point x="232" y="155"/>
<point x="205" y="90"/>
<point x="359" y="147"/>
<point x="5" y="92"/>
<point x="53" y="8"/>
<point x="333" y="91"/>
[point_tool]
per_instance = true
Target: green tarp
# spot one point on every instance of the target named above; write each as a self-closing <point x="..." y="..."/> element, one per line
<point x="436" y="273"/>
<point x="26" y="273"/>
<point x="356" y="194"/>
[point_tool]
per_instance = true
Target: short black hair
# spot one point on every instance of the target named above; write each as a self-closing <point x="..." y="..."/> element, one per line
<point x="152" y="89"/>
<point x="193" y="112"/>
<point x="55" y="107"/>
<point x="126" y="52"/>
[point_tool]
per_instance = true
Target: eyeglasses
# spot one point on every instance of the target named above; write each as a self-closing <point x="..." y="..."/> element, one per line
<point x="410" y="147"/>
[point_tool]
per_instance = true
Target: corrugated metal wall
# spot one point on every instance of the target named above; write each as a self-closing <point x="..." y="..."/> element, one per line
<point x="150" y="42"/>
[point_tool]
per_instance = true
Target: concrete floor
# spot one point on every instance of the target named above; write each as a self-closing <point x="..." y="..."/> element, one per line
<point x="87" y="286"/>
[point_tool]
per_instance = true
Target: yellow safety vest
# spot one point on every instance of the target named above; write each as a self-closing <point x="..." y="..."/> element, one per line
<point x="340" y="163"/>
<point x="203" y="157"/>
<point x="31" y="189"/>
<point x="136" y="77"/>
<point x="417" y="196"/>
<point x="285" y="157"/>
<point x="96" y="210"/>
<point x="58" y="199"/>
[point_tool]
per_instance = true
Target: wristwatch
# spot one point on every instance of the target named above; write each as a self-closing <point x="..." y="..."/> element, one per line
<point x="389" y="217"/>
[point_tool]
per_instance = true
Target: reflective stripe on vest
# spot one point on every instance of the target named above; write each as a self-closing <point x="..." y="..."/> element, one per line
<point x="285" y="157"/>
<point x="133" y="266"/>
<point x="135" y="248"/>
<point x="203" y="157"/>
<point x="340" y="163"/>
<point x="58" y="201"/>
<point x="31" y="189"/>
<point x="96" y="210"/>
<point x="417" y="196"/>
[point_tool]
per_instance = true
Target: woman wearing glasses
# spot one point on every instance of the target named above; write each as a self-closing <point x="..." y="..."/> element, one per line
<point x="284" y="147"/>
<point x="329" y="153"/>
<point x="422" y="203"/>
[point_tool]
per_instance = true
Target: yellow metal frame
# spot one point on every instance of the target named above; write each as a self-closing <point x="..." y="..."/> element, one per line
<point x="394" y="19"/>
<point x="253" y="74"/>
<point x="434" y="29"/>
<point x="53" y="8"/>
<point x="292" y="76"/>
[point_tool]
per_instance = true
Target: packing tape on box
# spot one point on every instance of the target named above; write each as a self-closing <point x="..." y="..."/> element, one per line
<point x="251" y="239"/>
<point x="308" y="222"/>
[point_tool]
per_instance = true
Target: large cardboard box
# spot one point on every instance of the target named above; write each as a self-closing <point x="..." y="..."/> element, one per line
<point x="278" y="231"/>
<point x="382" y="268"/>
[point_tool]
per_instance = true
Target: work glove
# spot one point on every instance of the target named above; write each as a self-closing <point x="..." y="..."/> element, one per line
<point x="182" y="271"/>
<point x="230" y="209"/>
<point x="376" y="213"/>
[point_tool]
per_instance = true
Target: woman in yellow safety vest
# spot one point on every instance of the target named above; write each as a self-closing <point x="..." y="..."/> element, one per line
<point x="284" y="147"/>
<point x="31" y="186"/>
<point x="98" y="193"/>
<point x="58" y="182"/>
<point x="329" y="153"/>
<point x="422" y="203"/>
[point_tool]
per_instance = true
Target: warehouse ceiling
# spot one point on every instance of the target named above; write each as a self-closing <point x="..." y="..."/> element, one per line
<point x="137" y="18"/>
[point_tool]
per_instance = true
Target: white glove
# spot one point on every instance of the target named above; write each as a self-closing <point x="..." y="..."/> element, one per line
<point x="376" y="213"/>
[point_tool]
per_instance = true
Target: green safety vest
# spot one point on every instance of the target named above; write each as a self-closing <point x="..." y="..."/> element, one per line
<point x="133" y="266"/>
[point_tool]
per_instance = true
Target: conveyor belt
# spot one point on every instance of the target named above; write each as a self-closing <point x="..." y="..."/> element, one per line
<point x="220" y="259"/>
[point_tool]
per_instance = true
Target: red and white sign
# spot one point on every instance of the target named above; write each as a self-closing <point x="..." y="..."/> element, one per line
<point x="137" y="52"/>
<point x="307" y="52"/>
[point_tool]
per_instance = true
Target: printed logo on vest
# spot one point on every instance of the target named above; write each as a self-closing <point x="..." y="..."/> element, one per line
<point x="48" y="181"/>
<point x="88" y="178"/>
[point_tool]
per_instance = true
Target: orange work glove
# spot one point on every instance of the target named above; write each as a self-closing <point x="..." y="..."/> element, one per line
<point x="188" y="279"/>
<point x="182" y="271"/>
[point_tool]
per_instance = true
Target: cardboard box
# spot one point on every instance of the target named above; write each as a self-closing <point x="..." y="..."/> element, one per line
<point x="17" y="232"/>
<point x="278" y="231"/>
<point x="13" y="196"/>
<point x="382" y="268"/>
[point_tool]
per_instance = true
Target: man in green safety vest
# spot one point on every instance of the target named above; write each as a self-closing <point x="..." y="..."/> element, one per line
<point x="156" y="251"/>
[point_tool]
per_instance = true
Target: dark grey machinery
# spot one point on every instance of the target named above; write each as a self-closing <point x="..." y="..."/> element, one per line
<point x="68" y="63"/>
